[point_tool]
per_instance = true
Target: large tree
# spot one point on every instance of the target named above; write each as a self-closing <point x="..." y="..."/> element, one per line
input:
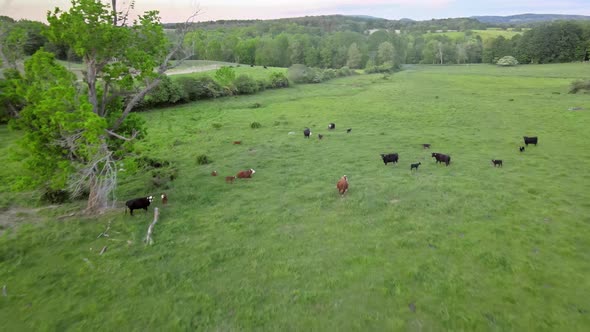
<point x="123" y="61"/>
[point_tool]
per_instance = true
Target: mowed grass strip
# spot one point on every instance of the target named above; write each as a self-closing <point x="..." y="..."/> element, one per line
<point x="463" y="247"/>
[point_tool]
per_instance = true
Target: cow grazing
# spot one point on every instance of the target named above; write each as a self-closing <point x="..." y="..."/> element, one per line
<point x="342" y="185"/>
<point x="426" y="146"/>
<point x="230" y="179"/>
<point x="530" y="140"/>
<point x="442" y="158"/>
<point x="331" y="126"/>
<point x="320" y="136"/>
<point x="521" y="149"/>
<point x="214" y="173"/>
<point x="348" y="130"/>
<point x="412" y="166"/>
<point x="245" y="174"/>
<point x="138" y="203"/>
<point x="390" y="158"/>
<point x="237" y="142"/>
<point x="252" y="65"/>
<point x="265" y="67"/>
<point x="496" y="162"/>
<point x="164" y="199"/>
<point x="306" y="133"/>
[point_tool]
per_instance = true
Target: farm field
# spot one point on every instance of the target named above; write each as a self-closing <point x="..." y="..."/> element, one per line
<point x="464" y="247"/>
<point x="484" y="34"/>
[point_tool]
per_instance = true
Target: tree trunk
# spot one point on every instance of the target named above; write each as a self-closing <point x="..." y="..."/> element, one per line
<point x="93" y="205"/>
<point x="114" y="2"/>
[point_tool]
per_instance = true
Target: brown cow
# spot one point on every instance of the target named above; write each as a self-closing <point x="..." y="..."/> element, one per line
<point x="214" y="173"/>
<point x="342" y="185"/>
<point x="230" y="179"/>
<point x="245" y="174"/>
<point x="237" y="142"/>
<point x="164" y="199"/>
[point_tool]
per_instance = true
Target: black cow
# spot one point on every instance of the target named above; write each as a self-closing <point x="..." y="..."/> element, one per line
<point x="348" y="130"/>
<point x="412" y="166"/>
<point x="320" y="136"/>
<point x="265" y="67"/>
<point x="390" y="158"/>
<point x="521" y="149"/>
<point x="306" y="133"/>
<point x="426" y="146"/>
<point x="496" y="162"/>
<point x="442" y="158"/>
<point x="138" y="203"/>
<point x="530" y="140"/>
<point x="332" y="126"/>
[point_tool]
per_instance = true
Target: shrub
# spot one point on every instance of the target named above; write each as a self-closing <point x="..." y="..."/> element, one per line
<point x="52" y="196"/>
<point x="278" y="80"/>
<point x="507" y="61"/>
<point x="580" y="85"/>
<point x="298" y="73"/>
<point x="387" y="67"/>
<point x="168" y="92"/>
<point x="246" y="85"/>
<point x="203" y="87"/>
<point x="203" y="159"/>
<point x="225" y="75"/>
<point x="255" y="125"/>
<point x="345" y="71"/>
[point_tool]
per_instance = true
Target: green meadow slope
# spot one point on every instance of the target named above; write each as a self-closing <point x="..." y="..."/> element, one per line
<point x="464" y="247"/>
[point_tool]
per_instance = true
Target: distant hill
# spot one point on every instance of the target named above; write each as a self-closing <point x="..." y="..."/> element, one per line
<point x="527" y="18"/>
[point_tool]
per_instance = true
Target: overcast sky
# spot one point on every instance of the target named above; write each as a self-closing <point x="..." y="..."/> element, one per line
<point x="178" y="10"/>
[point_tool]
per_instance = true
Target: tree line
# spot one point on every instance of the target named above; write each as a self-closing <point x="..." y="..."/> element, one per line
<point x="282" y="46"/>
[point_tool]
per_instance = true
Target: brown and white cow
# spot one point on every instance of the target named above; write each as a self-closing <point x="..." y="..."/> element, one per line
<point x="245" y="174"/>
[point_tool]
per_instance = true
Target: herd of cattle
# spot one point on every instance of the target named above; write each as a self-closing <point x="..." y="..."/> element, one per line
<point x="341" y="185"/>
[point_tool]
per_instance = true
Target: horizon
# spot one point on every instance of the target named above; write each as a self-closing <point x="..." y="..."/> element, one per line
<point x="173" y="11"/>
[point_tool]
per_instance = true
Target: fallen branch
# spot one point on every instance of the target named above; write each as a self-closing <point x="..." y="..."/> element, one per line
<point x="148" y="238"/>
<point x="105" y="234"/>
<point x="4" y="291"/>
<point x="103" y="250"/>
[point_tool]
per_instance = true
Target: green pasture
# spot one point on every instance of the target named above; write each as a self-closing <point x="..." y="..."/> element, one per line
<point x="484" y="34"/>
<point x="467" y="247"/>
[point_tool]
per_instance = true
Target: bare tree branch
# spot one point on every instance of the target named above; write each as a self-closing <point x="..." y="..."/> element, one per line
<point x="148" y="238"/>
<point x="133" y="135"/>
<point x="164" y="66"/>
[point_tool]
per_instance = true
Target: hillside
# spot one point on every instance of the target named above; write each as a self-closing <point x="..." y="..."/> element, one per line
<point x="527" y="18"/>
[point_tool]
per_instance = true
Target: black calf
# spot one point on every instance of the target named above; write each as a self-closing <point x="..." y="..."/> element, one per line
<point x="412" y="166"/>
<point x="497" y="162"/>
<point x="306" y="133"/>
<point x="521" y="149"/>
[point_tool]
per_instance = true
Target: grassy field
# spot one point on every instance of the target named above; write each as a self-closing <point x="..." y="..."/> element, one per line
<point x="485" y="34"/>
<point x="465" y="247"/>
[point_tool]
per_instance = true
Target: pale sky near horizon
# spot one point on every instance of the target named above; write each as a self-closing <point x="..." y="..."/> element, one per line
<point x="179" y="10"/>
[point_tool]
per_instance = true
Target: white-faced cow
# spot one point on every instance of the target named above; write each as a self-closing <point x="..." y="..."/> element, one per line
<point x="138" y="203"/>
